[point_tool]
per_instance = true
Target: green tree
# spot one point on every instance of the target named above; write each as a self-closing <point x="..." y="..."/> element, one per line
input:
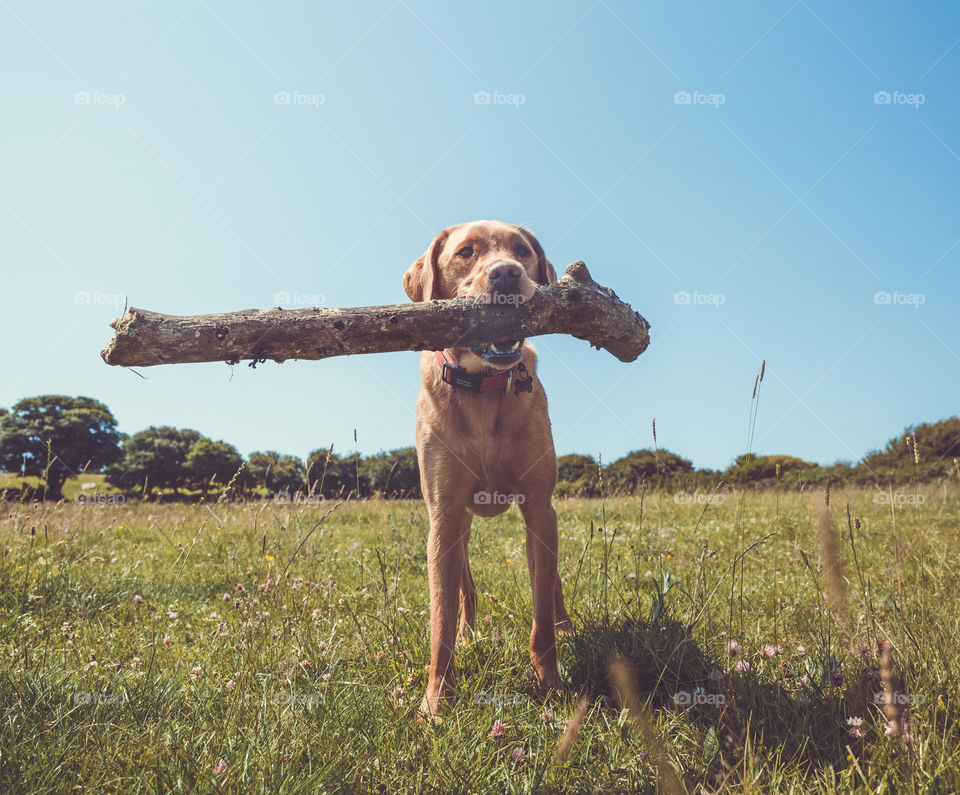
<point x="661" y="467"/>
<point x="56" y="436"/>
<point x="333" y="476"/>
<point x="275" y="472"/>
<point x="394" y="474"/>
<point x="577" y="476"/>
<point x="937" y="444"/>
<point x="211" y="463"/>
<point x="155" y="459"/>
<point x="751" y="468"/>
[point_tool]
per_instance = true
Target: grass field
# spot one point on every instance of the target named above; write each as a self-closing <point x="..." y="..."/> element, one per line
<point x="259" y="647"/>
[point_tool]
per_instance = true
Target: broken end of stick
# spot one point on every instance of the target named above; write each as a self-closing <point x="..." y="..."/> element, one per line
<point x="577" y="271"/>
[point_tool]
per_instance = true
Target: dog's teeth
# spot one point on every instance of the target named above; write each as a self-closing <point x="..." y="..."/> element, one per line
<point x="511" y="349"/>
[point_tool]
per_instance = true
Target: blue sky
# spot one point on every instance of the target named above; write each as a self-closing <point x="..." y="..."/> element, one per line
<point x="147" y="155"/>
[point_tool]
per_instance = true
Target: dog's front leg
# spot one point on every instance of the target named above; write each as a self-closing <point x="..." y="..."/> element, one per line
<point x="445" y="562"/>
<point x="542" y="543"/>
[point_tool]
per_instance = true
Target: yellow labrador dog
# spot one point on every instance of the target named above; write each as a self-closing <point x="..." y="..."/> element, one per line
<point x="484" y="441"/>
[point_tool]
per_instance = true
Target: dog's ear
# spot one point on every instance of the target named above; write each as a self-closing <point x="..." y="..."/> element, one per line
<point x="420" y="278"/>
<point x="545" y="272"/>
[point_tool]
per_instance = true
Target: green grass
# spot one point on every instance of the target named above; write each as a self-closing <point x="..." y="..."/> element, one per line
<point x="125" y="667"/>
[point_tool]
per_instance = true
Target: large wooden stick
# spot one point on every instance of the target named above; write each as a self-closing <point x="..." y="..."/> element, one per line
<point x="575" y="305"/>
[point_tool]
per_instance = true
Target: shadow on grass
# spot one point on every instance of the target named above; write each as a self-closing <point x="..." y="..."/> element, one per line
<point x="765" y="712"/>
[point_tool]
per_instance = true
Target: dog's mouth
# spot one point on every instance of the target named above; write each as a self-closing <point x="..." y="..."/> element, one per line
<point x="499" y="353"/>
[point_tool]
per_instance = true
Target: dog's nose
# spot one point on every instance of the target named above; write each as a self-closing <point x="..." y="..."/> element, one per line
<point x="504" y="276"/>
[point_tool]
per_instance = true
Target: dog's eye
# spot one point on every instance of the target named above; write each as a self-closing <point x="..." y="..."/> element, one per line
<point x="522" y="251"/>
<point x="466" y="252"/>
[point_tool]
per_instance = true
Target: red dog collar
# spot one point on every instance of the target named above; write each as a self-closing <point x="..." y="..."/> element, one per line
<point x="459" y="378"/>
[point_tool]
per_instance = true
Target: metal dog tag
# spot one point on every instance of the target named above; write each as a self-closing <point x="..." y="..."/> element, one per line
<point x="523" y="382"/>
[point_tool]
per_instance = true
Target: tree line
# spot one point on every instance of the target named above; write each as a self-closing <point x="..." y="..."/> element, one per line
<point x="55" y="437"/>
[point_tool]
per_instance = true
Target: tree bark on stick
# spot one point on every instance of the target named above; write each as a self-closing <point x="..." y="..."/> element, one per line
<point x="574" y="305"/>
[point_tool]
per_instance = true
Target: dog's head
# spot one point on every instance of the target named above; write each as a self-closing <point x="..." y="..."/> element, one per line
<point x="489" y="260"/>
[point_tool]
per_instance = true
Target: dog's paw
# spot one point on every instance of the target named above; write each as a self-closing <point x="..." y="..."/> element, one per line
<point x="433" y="708"/>
<point x="548" y="679"/>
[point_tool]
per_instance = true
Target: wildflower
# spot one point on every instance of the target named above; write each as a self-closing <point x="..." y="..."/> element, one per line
<point x="517" y="755"/>
<point x="65" y="627"/>
<point x="197" y="672"/>
<point x="135" y="662"/>
<point x="856" y="727"/>
<point x="230" y="684"/>
<point x="801" y="651"/>
<point x="769" y="651"/>
<point x="643" y="757"/>
<point x="715" y="675"/>
<point x="220" y="768"/>
<point x="322" y="646"/>
<point x="733" y="648"/>
<point x="399" y="692"/>
<point x="166" y="640"/>
<point x="226" y="597"/>
<point x="497" y="731"/>
<point x="742" y="666"/>
<point x="137" y="599"/>
<point x="547" y="716"/>
<point x="488" y="619"/>
<point x="287" y="757"/>
<point x="856" y="522"/>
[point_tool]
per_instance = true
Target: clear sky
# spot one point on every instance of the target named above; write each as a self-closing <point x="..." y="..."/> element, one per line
<point x="771" y="180"/>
